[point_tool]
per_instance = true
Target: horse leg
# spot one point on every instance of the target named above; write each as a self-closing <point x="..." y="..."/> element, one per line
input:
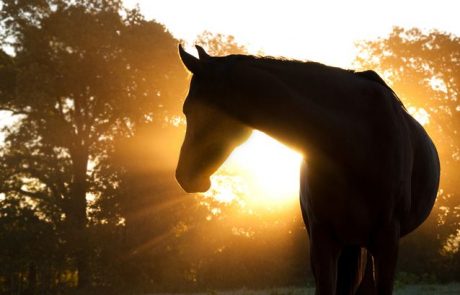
<point x="324" y="253"/>
<point x="385" y="250"/>
<point x="367" y="285"/>
<point x="349" y="270"/>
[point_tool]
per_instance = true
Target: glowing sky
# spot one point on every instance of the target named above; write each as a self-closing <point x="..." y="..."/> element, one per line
<point x="323" y="31"/>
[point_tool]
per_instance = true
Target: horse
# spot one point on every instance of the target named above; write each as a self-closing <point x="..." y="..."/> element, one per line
<point x="370" y="172"/>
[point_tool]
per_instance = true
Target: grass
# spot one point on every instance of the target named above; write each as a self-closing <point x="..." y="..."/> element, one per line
<point x="449" y="289"/>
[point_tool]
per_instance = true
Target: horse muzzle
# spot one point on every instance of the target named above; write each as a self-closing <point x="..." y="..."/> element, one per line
<point x="193" y="184"/>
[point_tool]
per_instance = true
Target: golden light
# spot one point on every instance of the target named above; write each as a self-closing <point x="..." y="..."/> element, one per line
<point x="261" y="172"/>
<point x="419" y="114"/>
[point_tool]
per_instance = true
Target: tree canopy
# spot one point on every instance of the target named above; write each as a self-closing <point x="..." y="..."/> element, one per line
<point x="82" y="74"/>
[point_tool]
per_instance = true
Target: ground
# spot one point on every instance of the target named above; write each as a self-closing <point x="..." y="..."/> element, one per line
<point x="450" y="289"/>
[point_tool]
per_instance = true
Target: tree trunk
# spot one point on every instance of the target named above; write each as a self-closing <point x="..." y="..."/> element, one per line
<point x="77" y="219"/>
<point x="31" y="279"/>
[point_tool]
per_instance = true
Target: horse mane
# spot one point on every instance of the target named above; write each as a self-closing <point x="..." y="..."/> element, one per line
<point x="368" y="74"/>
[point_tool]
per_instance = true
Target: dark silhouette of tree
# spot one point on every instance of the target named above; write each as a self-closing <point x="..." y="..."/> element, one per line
<point x="82" y="74"/>
<point x="26" y="243"/>
<point x="424" y="69"/>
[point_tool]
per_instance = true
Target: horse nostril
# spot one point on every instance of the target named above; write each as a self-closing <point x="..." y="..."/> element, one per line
<point x="191" y="185"/>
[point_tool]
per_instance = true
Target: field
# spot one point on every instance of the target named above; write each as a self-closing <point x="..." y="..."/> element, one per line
<point x="450" y="289"/>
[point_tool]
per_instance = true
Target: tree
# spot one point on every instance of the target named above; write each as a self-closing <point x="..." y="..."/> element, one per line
<point x="28" y="246"/>
<point x="220" y="44"/>
<point x="424" y="69"/>
<point x="82" y="74"/>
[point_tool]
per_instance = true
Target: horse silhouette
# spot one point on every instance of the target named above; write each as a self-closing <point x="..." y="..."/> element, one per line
<point x="370" y="172"/>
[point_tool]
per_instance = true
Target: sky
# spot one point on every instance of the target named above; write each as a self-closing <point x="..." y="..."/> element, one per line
<point x="323" y="31"/>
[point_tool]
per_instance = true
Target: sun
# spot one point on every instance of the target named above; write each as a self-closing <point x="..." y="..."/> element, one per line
<point x="261" y="172"/>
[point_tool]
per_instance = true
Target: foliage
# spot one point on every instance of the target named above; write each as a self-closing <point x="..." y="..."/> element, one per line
<point x="219" y="44"/>
<point x="83" y="73"/>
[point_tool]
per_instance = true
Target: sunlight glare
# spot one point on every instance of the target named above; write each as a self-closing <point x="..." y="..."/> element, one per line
<point x="262" y="171"/>
<point x="225" y="188"/>
<point x="419" y="114"/>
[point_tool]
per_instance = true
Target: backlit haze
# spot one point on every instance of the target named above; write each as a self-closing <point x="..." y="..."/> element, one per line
<point x="262" y="171"/>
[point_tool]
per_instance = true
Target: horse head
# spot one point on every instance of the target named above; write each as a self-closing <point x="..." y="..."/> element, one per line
<point x="211" y="135"/>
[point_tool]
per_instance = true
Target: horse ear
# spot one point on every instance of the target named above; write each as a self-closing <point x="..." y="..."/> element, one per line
<point x="192" y="63"/>
<point x="202" y="53"/>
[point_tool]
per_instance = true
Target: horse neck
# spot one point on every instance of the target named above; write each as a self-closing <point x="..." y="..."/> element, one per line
<point x="260" y="99"/>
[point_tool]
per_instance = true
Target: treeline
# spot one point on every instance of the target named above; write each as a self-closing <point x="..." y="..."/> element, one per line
<point x="91" y="96"/>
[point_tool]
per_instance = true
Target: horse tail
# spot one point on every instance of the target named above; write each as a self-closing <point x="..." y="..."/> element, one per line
<point x="355" y="272"/>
